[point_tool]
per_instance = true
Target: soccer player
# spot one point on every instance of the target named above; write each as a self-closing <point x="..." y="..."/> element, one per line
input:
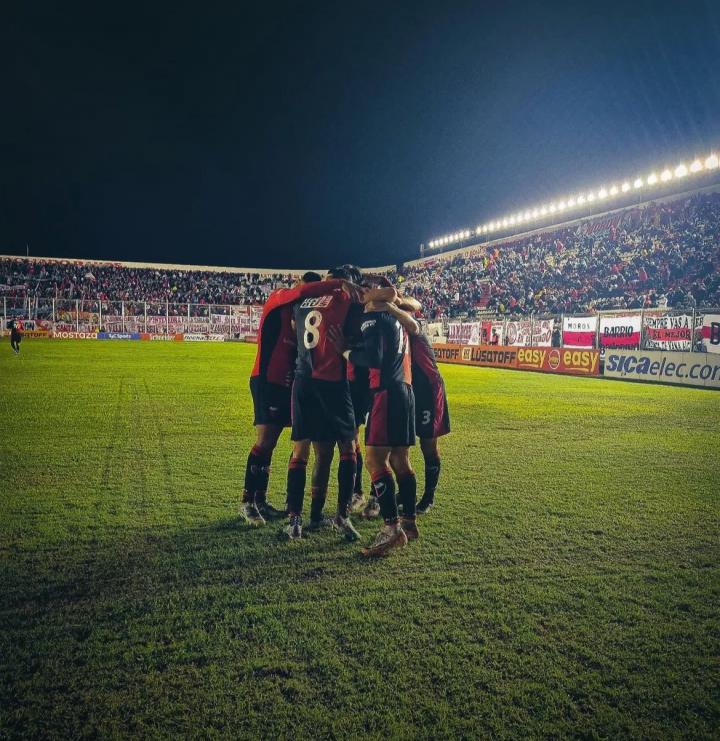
<point x="390" y="428"/>
<point x="432" y="417"/>
<point x="270" y="383"/>
<point x="322" y="410"/>
<point x="15" y="335"/>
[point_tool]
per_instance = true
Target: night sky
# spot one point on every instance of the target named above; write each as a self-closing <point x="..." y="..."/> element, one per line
<point x="309" y="134"/>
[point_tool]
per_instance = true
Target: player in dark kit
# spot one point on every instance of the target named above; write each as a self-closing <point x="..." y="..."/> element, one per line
<point x="432" y="418"/>
<point x="390" y="428"/>
<point x="15" y="327"/>
<point x="322" y="410"/>
<point x="270" y="383"/>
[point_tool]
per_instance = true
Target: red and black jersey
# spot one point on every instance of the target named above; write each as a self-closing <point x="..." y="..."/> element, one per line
<point x="356" y="375"/>
<point x="423" y="359"/>
<point x="317" y="356"/>
<point x="384" y="350"/>
<point x="277" y="348"/>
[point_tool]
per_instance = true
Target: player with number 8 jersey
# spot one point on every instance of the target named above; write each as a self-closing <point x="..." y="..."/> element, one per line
<point x="322" y="408"/>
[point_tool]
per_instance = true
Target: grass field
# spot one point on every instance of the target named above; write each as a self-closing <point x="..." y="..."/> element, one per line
<point x="567" y="583"/>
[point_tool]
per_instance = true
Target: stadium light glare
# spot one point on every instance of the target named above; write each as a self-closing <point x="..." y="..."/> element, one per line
<point x="681" y="170"/>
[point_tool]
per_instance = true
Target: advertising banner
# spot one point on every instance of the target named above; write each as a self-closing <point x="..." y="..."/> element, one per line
<point x="579" y="331"/>
<point x="194" y="337"/>
<point x="75" y="335"/>
<point x="177" y="337"/>
<point x="711" y="333"/>
<point x="118" y="335"/>
<point x="38" y="334"/>
<point x="668" y="332"/>
<point x="487" y="355"/>
<point x="688" y="369"/>
<point x="518" y="332"/>
<point x="620" y="331"/>
<point x="559" y="360"/>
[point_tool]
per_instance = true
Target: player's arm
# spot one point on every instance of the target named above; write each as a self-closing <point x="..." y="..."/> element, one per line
<point x="406" y="321"/>
<point x="385" y="294"/>
<point x="408" y="303"/>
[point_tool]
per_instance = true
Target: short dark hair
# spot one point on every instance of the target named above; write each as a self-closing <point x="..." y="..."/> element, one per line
<point x="311" y="277"/>
<point x="340" y="272"/>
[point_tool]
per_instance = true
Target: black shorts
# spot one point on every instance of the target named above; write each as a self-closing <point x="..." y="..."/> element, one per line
<point x="271" y="402"/>
<point x="391" y="422"/>
<point x="360" y="395"/>
<point x="15" y="337"/>
<point x="322" y="411"/>
<point x="432" y="418"/>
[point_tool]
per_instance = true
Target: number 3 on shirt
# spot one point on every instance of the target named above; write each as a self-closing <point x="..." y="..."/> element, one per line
<point x="312" y="329"/>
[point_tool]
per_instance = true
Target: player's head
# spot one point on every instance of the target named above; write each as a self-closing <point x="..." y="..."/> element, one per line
<point x="338" y="273"/>
<point x="376" y="281"/>
<point x="310" y="277"/>
<point x="354" y="272"/>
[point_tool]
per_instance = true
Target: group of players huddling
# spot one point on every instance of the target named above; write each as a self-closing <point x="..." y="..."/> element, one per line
<point x="332" y="355"/>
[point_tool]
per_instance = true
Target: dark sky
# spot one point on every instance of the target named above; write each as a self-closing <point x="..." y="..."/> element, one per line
<point x="307" y="134"/>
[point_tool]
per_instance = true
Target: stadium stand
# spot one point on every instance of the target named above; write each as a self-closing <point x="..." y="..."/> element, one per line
<point x="660" y="254"/>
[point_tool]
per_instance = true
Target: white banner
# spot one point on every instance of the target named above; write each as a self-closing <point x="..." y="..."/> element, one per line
<point x="668" y="332"/>
<point x="464" y="333"/>
<point x="620" y="331"/>
<point x="518" y="332"/>
<point x="688" y="369"/>
<point x="204" y="338"/>
<point x="579" y="331"/>
<point x="711" y="333"/>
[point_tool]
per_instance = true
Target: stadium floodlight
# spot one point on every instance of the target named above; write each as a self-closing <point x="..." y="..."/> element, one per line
<point x="571" y="202"/>
<point x="625" y="187"/>
<point x="666" y="175"/>
<point x="614" y="190"/>
<point x="681" y="170"/>
<point x="552" y="208"/>
<point x="543" y="210"/>
<point x="638" y="183"/>
<point x="602" y="193"/>
<point x="696" y="166"/>
<point x="590" y="197"/>
<point x="711" y="162"/>
<point x="528" y="214"/>
<point x="652" y="178"/>
<point x="467" y="234"/>
<point x="581" y="199"/>
<point x="561" y="206"/>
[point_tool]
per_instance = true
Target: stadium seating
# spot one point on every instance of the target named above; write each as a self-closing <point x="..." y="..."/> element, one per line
<point x="660" y="254"/>
<point x="663" y="254"/>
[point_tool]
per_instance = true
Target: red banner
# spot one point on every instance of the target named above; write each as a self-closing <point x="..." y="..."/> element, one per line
<point x="495" y="356"/>
<point x="559" y="360"/>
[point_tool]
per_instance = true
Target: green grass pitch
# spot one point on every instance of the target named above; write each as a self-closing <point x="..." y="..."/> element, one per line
<point x="566" y="583"/>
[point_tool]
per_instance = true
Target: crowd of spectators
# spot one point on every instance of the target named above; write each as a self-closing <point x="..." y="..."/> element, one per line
<point x="107" y="282"/>
<point x="661" y="255"/>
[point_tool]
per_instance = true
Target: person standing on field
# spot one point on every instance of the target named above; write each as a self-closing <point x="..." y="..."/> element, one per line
<point x="15" y="335"/>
